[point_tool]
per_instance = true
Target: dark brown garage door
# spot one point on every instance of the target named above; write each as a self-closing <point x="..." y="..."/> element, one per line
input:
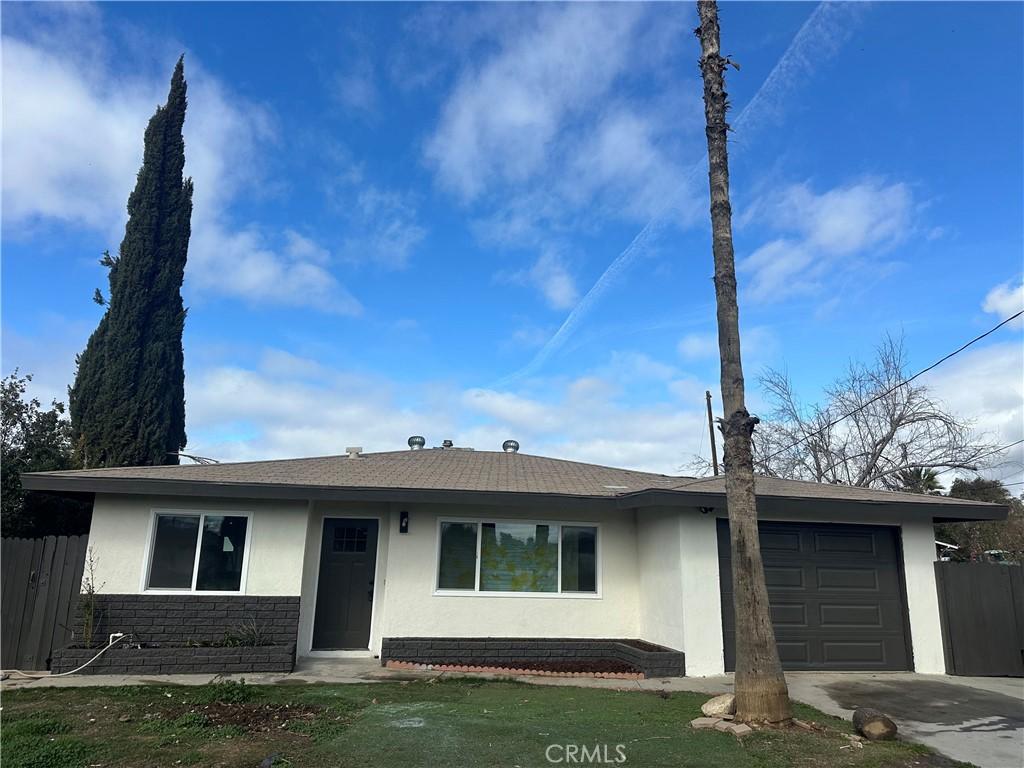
<point x="836" y="594"/>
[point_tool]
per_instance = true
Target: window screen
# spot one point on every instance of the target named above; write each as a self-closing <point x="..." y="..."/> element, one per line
<point x="579" y="559"/>
<point x="518" y="557"/>
<point x="174" y="551"/>
<point x="457" y="566"/>
<point x="221" y="553"/>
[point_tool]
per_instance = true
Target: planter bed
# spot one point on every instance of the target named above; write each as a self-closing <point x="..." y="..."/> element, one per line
<point x="569" y="655"/>
<point x="165" y="660"/>
<point x="608" y="668"/>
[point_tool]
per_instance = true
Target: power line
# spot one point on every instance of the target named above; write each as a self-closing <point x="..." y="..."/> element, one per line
<point x="982" y="456"/>
<point x="892" y="389"/>
<point x="875" y="399"/>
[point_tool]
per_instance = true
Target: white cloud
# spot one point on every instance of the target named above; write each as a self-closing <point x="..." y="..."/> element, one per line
<point x="550" y="275"/>
<point x="1006" y="300"/>
<point x="301" y="248"/>
<point x="284" y="405"/>
<point x="697" y="346"/>
<point x="72" y="144"/>
<point x="759" y="344"/>
<point x="242" y="264"/>
<point x="356" y="87"/>
<point x="543" y="132"/>
<point x="986" y="387"/>
<point x="502" y="117"/>
<point x="825" y="234"/>
<point x="386" y="229"/>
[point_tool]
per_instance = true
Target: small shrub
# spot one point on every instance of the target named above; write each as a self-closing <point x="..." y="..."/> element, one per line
<point x="190" y="720"/>
<point x="223" y="692"/>
<point x="87" y="600"/>
<point x="247" y="634"/>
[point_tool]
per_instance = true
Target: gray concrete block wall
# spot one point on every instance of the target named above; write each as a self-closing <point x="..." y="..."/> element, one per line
<point x="191" y="618"/>
<point x="176" y="660"/>
<point x="493" y="651"/>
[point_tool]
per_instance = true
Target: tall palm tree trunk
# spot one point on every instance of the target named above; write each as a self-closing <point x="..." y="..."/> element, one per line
<point x="761" y="693"/>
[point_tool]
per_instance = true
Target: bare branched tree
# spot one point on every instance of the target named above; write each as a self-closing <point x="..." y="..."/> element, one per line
<point x="884" y="441"/>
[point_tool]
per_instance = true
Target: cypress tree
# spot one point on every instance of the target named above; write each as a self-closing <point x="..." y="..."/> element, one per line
<point x="128" y="400"/>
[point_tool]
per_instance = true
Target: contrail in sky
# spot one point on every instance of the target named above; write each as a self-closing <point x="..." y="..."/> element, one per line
<point x="820" y="38"/>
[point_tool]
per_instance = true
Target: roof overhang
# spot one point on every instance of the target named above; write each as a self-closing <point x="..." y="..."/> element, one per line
<point x="768" y="506"/>
<point x="845" y="510"/>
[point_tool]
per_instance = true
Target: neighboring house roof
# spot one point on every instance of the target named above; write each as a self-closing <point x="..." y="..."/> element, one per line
<point x="440" y="474"/>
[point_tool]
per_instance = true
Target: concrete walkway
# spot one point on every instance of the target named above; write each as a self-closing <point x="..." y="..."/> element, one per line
<point x="975" y="719"/>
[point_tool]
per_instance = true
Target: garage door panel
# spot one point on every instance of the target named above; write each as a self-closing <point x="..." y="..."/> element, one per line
<point x="836" y="601"/>
<point x="785" y="576"/>
<point x="788" y="614"/>
<point x="845" y="653"/>
<point x="858" y="579"/>
<point x="844" y="543"/>
<point x="797" y="652"/>
<point x="773" y="541"/>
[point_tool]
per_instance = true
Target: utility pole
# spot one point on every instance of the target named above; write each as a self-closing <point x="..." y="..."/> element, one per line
<point x="711" y="431"/>
<point x="761" y="692"/>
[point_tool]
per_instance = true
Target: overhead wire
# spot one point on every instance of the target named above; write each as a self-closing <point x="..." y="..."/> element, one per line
<point x="878" y="397"/>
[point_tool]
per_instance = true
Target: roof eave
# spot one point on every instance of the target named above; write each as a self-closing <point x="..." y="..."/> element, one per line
<point x="296" y="492"/>
<point x="851" y="509"/>
<point x="941" y="512"/>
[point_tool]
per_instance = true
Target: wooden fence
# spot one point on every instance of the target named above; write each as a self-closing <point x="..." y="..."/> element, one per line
<point x="40" y="585"/>
<point x="982" y="611"/>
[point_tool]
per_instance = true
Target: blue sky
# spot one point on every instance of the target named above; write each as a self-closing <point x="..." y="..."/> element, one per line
<point x="488" y="221"/>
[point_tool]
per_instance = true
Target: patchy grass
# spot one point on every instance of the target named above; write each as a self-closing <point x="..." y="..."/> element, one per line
<point x="455" y="723"/>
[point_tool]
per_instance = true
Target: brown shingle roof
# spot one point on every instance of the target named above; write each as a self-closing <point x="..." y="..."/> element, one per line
<point x="462" y="470"/>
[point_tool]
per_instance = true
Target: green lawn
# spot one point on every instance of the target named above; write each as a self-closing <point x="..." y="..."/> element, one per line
<point x="460" y="723"/>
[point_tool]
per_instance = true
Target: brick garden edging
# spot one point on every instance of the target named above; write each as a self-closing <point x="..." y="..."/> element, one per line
<point x="511" y="670"/>
<point x="496" y="652"/>
<point x="176" y="660"/>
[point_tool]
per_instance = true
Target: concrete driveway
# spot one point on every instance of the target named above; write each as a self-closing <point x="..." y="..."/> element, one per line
<point x="978" y="720"/>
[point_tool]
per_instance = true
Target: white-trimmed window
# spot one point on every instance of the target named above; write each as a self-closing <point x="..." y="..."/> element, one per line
<point x="198" y="551"/>
<point x="516" y="557"/>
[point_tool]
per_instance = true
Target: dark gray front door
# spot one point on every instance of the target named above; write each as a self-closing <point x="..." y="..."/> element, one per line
<point x="836" y="594"/>
<point x="344" y="592"/>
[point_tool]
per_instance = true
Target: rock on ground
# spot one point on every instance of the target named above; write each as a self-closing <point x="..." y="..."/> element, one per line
<point x="720" y="705"/>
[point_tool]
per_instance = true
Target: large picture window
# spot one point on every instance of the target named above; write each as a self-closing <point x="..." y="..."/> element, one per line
<point x="517" y="557"/>
<point x="200" y="552"/>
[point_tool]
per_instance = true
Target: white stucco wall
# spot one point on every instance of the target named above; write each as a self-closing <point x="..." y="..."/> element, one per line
<point x="658" y="572"/>
<point x="701" y="597"/>
<point x="413" y="609"/>
<point x="922" y="597"/>
<point x="660" y="595"/>
<point x="680" y="601"/>
<point x="120" y="531"/>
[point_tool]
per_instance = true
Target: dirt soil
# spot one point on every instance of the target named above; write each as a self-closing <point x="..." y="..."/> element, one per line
<point x="254" y="718"/>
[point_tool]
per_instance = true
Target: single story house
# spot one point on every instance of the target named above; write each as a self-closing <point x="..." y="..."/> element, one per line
<point x="450" y="554"/>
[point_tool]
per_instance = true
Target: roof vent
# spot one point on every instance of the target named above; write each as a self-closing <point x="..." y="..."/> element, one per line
<point x="353" y="453"/>
<point x="447" y="444"/>
<point x="510" y="446"/>
<point x="416" y="442"/>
